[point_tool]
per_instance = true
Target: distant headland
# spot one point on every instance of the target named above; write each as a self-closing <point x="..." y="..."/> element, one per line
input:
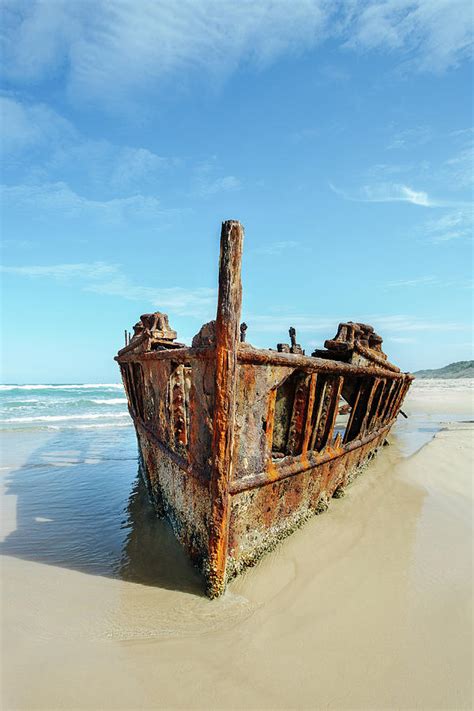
<point x="460" y="369"/>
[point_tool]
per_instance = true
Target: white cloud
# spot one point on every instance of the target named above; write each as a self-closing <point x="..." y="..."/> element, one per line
<point x="387" y="192"/>
<point x="457" y="225"/>
<point x="401" y="339"/>
<point x="328" y="325"/>
<point x="432" y="35"/>
<point x="276" y="249"/>
<point x="396" y="192"/>
<point x="459" y="169"/>
<point x="62" y="272"/>
<point x="404" y="323"/>
<point x="59" y="198"/>
<point x="30" y="126"/>
<point x="416" y="281"/>
<point x="110" y="280"/>
<point x="226" y="184"/>
<point x="408" y="137"/>
<point x="105" y="48"/>
<point x="52" y="147"/>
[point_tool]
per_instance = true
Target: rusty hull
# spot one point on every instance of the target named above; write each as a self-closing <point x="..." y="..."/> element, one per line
<point x="239" y="446"/>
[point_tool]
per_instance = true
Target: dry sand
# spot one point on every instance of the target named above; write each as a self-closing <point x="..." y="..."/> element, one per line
<point x="366" y="607"/>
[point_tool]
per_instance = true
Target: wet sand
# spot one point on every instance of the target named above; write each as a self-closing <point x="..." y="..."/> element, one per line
<point x="365" y="607"/>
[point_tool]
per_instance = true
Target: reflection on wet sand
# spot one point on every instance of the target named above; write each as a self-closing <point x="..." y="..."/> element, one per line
<point x="88" y="511"/>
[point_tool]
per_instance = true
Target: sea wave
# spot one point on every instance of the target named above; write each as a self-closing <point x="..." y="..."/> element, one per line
<point x="84" y="386"/>
<point x="61" y="418"/>
<point x="436" y="384"/>
<point x="101" y="425"/>
<point x="110" y="401"/>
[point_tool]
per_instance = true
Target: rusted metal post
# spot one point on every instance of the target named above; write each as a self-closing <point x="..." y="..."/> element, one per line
<point x="227" y="339"/>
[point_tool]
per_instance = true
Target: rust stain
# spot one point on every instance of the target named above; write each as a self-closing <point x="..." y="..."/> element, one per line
<point x="240" y="445"/>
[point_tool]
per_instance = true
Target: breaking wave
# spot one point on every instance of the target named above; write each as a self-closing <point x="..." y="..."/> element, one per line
<point x="85" y="386"/>
<point x="100" y="426"/>
<point x="110" y="401"/>
<point x="61" y="418"/>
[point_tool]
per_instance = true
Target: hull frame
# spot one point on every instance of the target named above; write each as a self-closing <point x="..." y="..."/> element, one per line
<point x="240" y="446"/>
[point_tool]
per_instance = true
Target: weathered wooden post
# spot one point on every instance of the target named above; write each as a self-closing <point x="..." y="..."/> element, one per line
<point x="227" y="339"/>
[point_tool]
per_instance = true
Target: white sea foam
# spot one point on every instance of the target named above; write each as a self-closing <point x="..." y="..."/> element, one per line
<point x="436" y="384"/>
<point x="102" y="425"/>
<point x="22" y="400"/>
<point x="85" y="386"/>
<point x="110" y="401"/>
<point x="61" y="418"/>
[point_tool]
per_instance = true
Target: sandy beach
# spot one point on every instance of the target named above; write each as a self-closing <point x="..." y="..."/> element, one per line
<point x="366" y="607"/>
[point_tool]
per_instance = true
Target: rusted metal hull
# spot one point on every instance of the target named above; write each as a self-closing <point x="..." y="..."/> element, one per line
<point x="239" y="446"/>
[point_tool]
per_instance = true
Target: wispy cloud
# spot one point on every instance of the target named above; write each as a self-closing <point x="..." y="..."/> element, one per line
<point x="304" y="134"/>
<point x="401" y="339"/>
<point x="59" y="198"/>
<point x="390" y="324"/>
<point x="453" y="226"/>
<point x="29" y="126"/>
<point x="395" y="192"/>
<point x="92" y="42"/>
<point x="110" y="280"/>
<point x="459" y="169"/>
<point x="276" y="249"/>
<point x="409" y="137"/>
<point x="386" y="192"/>
<point x="227" y="183"/>
<point x="429" y="281"/>
<point x="382" y="170"/>
<point x="416" y="281"/>
<point x="430" y="35"/>
<point x="51" y="147"/>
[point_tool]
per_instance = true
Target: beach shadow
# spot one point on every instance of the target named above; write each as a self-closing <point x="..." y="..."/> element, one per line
<point x="81" y="504"/>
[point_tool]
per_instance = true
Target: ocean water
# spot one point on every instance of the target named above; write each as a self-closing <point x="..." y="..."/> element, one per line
<point x="61" y="407"/>
<point x="72" y="496"/>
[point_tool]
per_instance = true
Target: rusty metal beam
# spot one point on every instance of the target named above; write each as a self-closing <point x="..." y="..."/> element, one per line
<point x="370" y="355"/>
<point x="270" y="421"/>
<point x="254" y="356"/>
<point x="180" y="355"/>
<point x="309" y="414"/>
<point x="368" y="407"/>
<point x="320" y="397"/>
<point x="227" y="339"/>
<point x="292" y="466"/>
<point x="298" y="416"/>
<point x="333" y="411"/>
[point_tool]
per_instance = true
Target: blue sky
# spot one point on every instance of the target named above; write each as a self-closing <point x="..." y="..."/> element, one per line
<point x="338" y="133"/>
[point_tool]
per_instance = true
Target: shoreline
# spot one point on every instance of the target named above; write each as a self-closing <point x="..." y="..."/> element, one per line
<point x="365" y="607"/>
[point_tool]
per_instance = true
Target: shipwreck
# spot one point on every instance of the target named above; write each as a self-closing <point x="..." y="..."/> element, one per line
<point x="240" y="445"/>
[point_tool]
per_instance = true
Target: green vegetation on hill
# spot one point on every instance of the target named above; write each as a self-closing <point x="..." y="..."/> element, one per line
<point x="461" y="369"/>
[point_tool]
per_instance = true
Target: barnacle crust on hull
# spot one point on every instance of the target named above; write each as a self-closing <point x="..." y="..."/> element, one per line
<point x="239" y="446"/>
